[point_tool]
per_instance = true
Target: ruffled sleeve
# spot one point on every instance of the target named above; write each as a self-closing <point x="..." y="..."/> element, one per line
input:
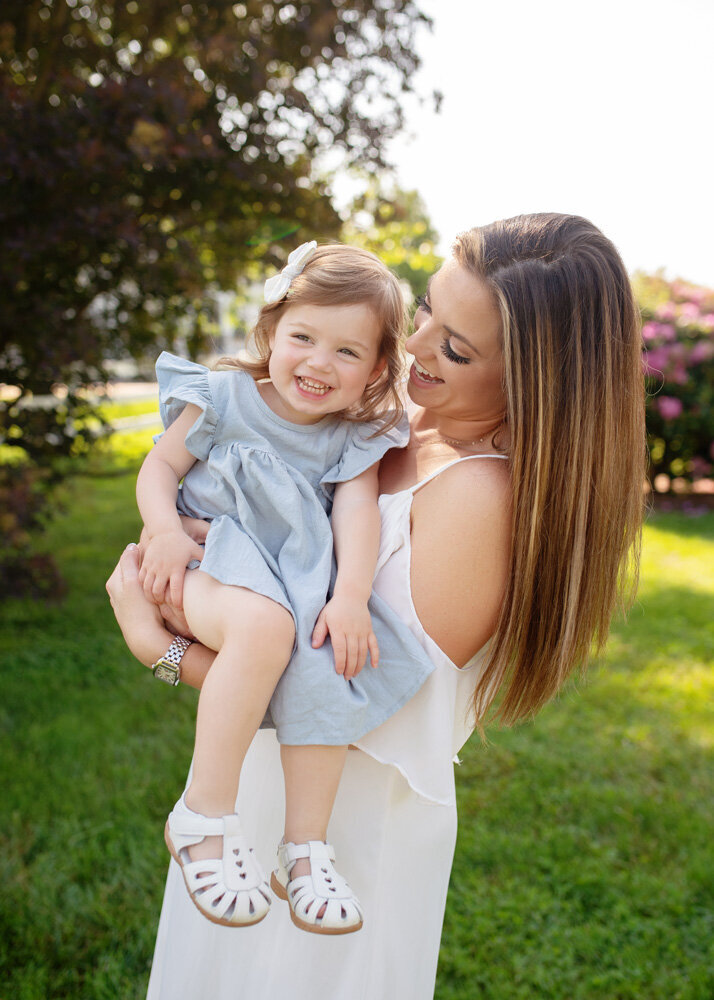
<point x="362" y="450"/>
<point x="182" y="382"/>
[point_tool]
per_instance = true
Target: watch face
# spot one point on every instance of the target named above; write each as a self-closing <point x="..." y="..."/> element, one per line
<point x="166" y="672"/>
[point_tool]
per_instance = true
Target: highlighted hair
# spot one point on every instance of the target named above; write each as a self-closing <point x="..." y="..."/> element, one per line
<point x="575" y="411"/>
<point x="340" y="275"/>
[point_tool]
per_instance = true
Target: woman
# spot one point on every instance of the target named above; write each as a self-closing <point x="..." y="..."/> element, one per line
<point x="508" y="527"/>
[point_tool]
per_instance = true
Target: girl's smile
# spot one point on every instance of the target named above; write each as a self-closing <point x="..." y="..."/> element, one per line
<point x="309" y="387"/>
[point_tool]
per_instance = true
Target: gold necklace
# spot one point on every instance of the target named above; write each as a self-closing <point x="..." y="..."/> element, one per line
<point x="470" y="444"/>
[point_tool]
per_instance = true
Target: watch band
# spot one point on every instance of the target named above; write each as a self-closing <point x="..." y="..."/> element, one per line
<point x="168" y="667"/>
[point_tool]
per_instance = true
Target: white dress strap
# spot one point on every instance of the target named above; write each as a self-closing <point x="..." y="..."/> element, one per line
<point x="466" y="458"/>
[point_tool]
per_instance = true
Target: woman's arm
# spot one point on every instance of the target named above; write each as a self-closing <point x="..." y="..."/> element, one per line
<point x="460" y="540"/>
<point x="142" y="626"/>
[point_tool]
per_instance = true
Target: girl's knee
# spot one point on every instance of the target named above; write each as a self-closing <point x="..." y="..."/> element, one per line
<point x="276" y="623"/>
<point x="263" y="618"/>
<point x="219" y="613"/>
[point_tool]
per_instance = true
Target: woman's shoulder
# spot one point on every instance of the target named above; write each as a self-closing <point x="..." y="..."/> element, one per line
<point x="465" y="511"/>
<point x="475" y="484"/>
<point x="460" y="545"/>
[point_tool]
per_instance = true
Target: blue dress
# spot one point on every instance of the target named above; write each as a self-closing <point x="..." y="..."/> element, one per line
<point x="267" y="485"/>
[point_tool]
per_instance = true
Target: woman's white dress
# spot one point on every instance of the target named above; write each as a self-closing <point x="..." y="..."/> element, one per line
<point x="393" y="828"/>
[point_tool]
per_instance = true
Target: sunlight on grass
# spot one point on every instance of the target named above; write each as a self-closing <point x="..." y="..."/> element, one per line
<point x="122" y="452"/>
<point x="129" y="408"/>
<point x="676" y="552"/>
<point x="585" y="867"/>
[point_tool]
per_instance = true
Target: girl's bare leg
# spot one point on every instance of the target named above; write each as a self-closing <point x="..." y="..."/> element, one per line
<point x="254" y="637"/>
<point x="312" y="776"/>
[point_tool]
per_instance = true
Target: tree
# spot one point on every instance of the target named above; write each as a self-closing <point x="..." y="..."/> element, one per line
<point x="152" y="151"/>
<point x="395" y="225"/>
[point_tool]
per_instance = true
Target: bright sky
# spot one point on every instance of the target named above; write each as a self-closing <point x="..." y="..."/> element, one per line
<point x="603" y="109"/>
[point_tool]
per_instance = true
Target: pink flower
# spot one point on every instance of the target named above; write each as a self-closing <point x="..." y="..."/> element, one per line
<point x="689" y="311"/>
<point x="669" y="407"/>
<point x="666" y="311"/>
<point x="650" y="331"/>
<point x="697" y="294"/>
<point x="677" y="375"/>
<point x="655" y="361"/>
<point x="699" y="466"/>
<point x="702" y="351"/>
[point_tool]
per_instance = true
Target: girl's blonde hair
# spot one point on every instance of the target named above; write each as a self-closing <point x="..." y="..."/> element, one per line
<point x="338" y="275"/>
<point x="575" y="410"/>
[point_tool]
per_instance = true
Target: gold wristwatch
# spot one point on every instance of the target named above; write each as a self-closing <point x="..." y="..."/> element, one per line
<point x="168" y="667"/>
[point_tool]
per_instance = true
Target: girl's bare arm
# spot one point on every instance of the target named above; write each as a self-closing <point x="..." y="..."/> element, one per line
<point x="355" y="528"/>
<point x="169" y="548"/>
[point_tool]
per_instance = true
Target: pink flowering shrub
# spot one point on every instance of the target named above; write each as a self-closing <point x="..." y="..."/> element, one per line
<point x="678" y="362"/>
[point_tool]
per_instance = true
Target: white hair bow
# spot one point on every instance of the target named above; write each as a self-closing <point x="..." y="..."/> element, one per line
<point x="277" y="287"/>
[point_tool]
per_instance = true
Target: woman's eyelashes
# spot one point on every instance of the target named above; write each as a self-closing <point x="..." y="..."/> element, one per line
<point x="446" y="349"/>
<point x="451" y="355"/>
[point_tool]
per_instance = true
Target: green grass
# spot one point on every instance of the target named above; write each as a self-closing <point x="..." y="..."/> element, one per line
<point x="121" y="453"/>
<point x="584" y="866"/>
<point x="118" y="410"/>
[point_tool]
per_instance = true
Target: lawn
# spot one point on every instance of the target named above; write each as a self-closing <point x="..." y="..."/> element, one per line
<point x="584" y="867"/>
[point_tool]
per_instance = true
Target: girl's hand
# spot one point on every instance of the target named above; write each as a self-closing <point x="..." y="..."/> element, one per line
<point x="138" y="617"/>
<point x="163" y="566"/>
<point x="349" y="625"/>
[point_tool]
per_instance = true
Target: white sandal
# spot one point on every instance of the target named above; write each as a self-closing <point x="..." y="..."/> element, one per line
<point x="232" y="890"/>
<point x="307" y="894"/>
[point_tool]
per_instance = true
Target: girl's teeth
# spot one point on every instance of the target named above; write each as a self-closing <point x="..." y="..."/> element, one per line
<point x="317" y="387"/>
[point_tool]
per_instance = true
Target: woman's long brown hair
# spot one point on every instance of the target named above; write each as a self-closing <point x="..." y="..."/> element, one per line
<point x="575" y="411"/>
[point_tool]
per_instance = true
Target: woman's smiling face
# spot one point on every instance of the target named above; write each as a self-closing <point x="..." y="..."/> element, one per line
<point x="457" y="347"/>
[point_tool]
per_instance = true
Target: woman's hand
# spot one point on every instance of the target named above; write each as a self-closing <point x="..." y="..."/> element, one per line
<point x="145" y="632"/>
<point x="139" y="619"/>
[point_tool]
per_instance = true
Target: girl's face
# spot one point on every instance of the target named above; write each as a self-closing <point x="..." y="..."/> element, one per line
<point x="321" y="359"/>
<point x="458" y="367"/>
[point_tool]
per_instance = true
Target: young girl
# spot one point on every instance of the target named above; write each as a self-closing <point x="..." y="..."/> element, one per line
<point x="280" y="455"/>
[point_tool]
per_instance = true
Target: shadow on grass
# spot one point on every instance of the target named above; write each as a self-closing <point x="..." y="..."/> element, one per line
<point x="685" y="525"/>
